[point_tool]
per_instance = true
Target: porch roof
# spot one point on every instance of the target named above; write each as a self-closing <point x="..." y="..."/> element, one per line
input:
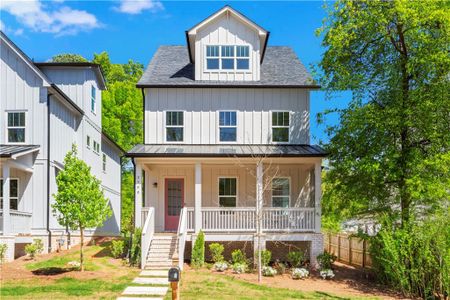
<point x="225" y="150"/>
<point x="14" y="150"/>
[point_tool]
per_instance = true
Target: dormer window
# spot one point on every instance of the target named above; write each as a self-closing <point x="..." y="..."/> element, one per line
<point x="227" y="57"/>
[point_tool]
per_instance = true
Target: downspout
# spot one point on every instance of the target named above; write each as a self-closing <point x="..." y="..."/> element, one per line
<point x="48" y="175"/>
<point x="143" y="116"/>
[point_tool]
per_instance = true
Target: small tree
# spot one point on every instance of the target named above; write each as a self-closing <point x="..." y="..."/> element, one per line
<point x="198" y="252"/>
<point x="79" y="202"/>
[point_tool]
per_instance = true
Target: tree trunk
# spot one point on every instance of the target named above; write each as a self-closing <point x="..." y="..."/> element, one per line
<point x="81" y="249"/>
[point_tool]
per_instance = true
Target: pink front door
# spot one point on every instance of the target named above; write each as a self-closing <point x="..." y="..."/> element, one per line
<point x="174" y="198"/>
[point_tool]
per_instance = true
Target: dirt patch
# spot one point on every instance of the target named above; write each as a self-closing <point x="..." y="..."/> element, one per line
<point x="349" y="281"/>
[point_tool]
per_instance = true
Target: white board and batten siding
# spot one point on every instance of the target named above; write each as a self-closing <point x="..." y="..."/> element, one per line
<point x="201" y="107"/>
<point x="227" y="30"/>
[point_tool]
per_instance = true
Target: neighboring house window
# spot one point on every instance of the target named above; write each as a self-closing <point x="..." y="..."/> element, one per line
<point x="212" y="57"/>
<point x="227" y="57"/>
<point x="13" y="193"/>
<point x="227" y="126"/>
<point x="227" y="192"/>
<point x="243" y="57"/>
<point x="280" y="192"/>
<point x="96" y="147"/>
<point x="16" y="127"/>
<point x="174" y="126"/>
<point x="93" y="101"/>
<point x="88" y="142"/>
<point x="104" y="162"/>
<point x="280" y="126"/>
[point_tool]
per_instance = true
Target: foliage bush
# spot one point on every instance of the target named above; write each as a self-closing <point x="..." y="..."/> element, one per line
<point x="268" y="271"/>
<point x="280" y="267"/>
<point x="117" y="248"/>
<point x="239" y="268"/>
<point x="296" y="258"/>
<point x="327" y="274"/>
<point x="220" y="266"/>
<point x="326" y="260"/>
<point x="238" y="257"/>
<point x="198" y="252"/>
<point x="266" y="256"/>
<point x="414" y="257"/>
<point x="3" y="248"/>
<point x="135" y="248"/>
<point x="299" y="273"/>
<point x="35" y="248"/>
<point x="216" y="250"/>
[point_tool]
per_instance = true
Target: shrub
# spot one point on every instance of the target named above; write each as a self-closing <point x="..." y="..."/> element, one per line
<point x="326" y="260"/>
<point x="238" y="257"/>
<point x="35" y="248"/>
<point x="216" y="250"/>
<point x="117" y="248"/>
<point x="74" y="264"/>
<point x="266" y="256"/>
<point x="239" y="268"/>
<point x="135" y="249"/>
<point x="327" y="274"/>
<point x="280" y="267"/>
<point x="268" y="271"/>
<point x="198" y="252"/>
<point x="299" y="273"/>
<point x="296" y="258"/>
<point x="3" y="248"/>
<point x="220" y="266"/>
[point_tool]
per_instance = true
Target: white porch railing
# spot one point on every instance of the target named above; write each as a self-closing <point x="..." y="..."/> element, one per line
<point x="20" y="221"/>
<point x="181" y="236"/>
<point x="244" y="219"/>
<point x="144" y="213"/>
<point x="147" y="234"/>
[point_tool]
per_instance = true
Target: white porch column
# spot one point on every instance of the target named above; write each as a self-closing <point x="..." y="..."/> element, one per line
<point x="138" y="195"/>
<point x="318" y="195"/>
<point x="6" y="212"/>
<point x="198" y="197"/>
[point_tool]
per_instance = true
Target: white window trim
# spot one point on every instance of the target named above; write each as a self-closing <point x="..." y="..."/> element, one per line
<point x="226" y="126"/>
<point x="289" y="194"/>
<point x="174" y="126"/>
<point x="8" y="127"/>
<point x="272" y="126"/>
<point x="235" y="58"/>
<point x="218" y="190"/>
<point x="94" y="111"/>
<point x="18" y="192"/>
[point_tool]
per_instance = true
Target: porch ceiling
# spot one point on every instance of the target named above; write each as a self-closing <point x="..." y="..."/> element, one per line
<point x="225" y="150"/>
<point x="17" y="150"/>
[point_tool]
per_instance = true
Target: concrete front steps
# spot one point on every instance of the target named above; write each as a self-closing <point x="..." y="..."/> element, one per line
<point x="162" y="254"/>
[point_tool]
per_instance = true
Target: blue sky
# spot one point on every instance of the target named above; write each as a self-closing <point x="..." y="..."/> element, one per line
<point x="129" y="29"/>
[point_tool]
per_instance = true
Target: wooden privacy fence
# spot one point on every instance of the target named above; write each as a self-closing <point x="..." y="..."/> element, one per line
<point x="349" y="250"/>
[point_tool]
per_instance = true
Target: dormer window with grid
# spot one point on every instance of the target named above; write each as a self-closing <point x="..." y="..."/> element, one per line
<point x="227" y="58"/>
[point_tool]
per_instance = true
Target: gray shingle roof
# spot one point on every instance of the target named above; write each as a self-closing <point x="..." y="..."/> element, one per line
<point x="9" y="150"/>
<point x="224" y="150"/>
<point x="170" y="66"/>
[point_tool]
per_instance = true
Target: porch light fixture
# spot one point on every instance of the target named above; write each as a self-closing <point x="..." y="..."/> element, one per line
<point x="155" y="184"/>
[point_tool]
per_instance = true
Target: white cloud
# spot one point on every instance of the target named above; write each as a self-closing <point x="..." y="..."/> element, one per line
<point x="38" y="17"/>
<point x="134" y="7"/>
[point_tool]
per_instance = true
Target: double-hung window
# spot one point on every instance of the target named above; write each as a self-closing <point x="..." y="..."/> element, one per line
<point x="242" y="58"/>
<point x="227" y="54"/>
<point x="104" y="162"/>
<point x="93" y="100"/>
<point x="227" y="192"/>
<point x="96" y="147"/>
<point x="16" y="127"/>
<point x="174" y="126"/>
<point x="212" y="57"/>
<point x="280" y="126"/>
<point x="227" y="126"/>
<point x="88" y="142"/>
<point x="13" y="193"/>
<point x="280" y="192"/>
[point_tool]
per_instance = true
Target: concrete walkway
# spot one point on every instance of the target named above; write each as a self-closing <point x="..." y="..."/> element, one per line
<point x="150" y="285"/>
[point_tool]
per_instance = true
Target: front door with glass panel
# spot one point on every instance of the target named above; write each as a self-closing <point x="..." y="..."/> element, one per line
<point x="174" y="198"/>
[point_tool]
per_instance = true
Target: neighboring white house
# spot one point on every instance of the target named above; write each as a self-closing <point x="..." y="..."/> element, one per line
<point x="223" y="116"/>
<point x="44" y="109"/>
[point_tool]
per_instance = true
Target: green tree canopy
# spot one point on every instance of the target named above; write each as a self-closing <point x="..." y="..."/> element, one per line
<point x="68" y="57"/>
<point x="79" y="202"/>
<point x="390" y="152"/>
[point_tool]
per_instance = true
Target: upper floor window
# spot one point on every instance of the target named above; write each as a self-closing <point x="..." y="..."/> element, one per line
<point x="104" y="162"/>
<point x="227" y="57"/>
<point x="280" y="192"/>
<point x="227" y="192"/>
<point x="13" y="193"/>
<point x="88" y="142"/>
<point x="280" y="126"/>
<point x="174" y="126"/>
<point x="16" y="127"/>
<point x="93" y="100"/>
<point x="227" y="126"/>
<point x="96" y="147"/>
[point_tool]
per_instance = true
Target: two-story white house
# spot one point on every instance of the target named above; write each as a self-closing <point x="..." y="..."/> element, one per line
<point x="227" y="145"/>
<point x="44" y="109"/>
